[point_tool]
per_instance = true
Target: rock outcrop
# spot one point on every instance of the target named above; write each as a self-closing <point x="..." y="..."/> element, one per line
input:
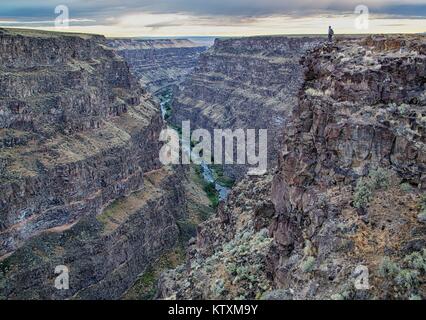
<point x="345" y="212"/>
<point x="159" y="63"/>
<point x="247" y="83"/>
<point x="81" y="183"/>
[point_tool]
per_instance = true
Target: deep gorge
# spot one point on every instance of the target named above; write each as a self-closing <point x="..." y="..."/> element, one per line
<point x="82" y="185"/>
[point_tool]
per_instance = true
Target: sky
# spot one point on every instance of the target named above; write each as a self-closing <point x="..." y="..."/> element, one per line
<point x="162" y="18"/>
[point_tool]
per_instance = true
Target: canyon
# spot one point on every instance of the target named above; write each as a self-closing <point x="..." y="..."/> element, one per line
<point x="342" y="216"/>
<point x="246" y="83"/>
<point x="82" y="185"/>
<point x="159" y="63"/>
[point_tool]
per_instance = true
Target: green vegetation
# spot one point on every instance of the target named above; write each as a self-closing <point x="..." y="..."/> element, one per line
<point x="308" y="265"/>
<point x="416" y="261"/>
<point x="209" y="188"/>
<point x="212" y="194"/>
<point x="147" y="283"/>
<point x="111" y="211"/>
<point x="388" y="268"/>
<point x="422" y="214"/>
<point x="218" y="287"/>
<point x="221" y="178"/>
<point x="405" y="275"/>
<point x="366" y="186"/>
<point x="406" y="187"/>
<point x="166" y="99"/>
<point x="407" y="278"/>
<point x="347" y="292"/>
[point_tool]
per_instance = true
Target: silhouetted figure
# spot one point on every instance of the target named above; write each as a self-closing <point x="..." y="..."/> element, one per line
<point x="330" y="34"/>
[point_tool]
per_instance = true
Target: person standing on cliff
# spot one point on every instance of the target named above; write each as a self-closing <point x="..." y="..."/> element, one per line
<point x="330" y="34"/>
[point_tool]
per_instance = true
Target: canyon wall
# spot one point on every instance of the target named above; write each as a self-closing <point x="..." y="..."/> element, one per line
<point x="81" y="184"/>
<point x="247" y="83"/>
<point x="158" y="63"/>
<point x="343" y="217"/>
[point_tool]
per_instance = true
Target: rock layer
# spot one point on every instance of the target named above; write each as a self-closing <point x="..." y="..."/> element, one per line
<point x="77" y="134"/>
<point x="360" y="114"/>
<point x="159" y="63"/>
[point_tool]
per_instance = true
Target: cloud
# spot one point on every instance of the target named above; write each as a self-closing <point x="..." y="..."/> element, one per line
<point x="137" y="17"/>
<point x="103" y="9"/>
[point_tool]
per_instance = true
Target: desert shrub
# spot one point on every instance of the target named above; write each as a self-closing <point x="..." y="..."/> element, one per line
<point x="406" y="274"/>
<point x="403" y="109"/>
<point x="416" y="261"/>
<point x="345" y="293"/>
<point x="423" y="201"/>
<point x="406" y="187"/>
<point x="388" y="268"/>
<point x="242" y="272"/>
<point x="422" y="214"/>
<point x="407" y="278"/>
<point x="364" y="190"/>
<point x="308" y="265"/>
<point x="363" y="193"/>
<point x="231" y="268"/>
<point x="380" y="178"/>
<point x="218" y="287"/>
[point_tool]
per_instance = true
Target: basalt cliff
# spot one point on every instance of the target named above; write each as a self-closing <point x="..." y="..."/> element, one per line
<point x="159" y="63"/>
<point x="81" y="183"/>
<point x="343" y="216"/>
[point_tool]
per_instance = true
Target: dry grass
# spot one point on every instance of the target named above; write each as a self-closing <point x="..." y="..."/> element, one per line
<point x="120" y="210"/>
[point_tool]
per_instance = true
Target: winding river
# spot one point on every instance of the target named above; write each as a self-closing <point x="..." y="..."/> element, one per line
<point x="208" y="173"/>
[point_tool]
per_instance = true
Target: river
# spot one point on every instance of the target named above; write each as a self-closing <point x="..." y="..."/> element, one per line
<point x="208" y="173"/>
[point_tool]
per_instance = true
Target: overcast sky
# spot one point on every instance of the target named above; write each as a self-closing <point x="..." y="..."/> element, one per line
<point x="217" y="17"/>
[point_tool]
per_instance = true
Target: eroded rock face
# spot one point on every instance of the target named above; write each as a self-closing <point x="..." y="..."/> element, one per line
<point x="360" y="113"/>
<point x="81" y="183"/>
<point x="61" y="83"/>
<point x="89" y="133"/>
<point x="159" y="63"/>
<point x="248" y="83"/>
<point x="104" y="254"/>
<point x="347" y="193"/>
